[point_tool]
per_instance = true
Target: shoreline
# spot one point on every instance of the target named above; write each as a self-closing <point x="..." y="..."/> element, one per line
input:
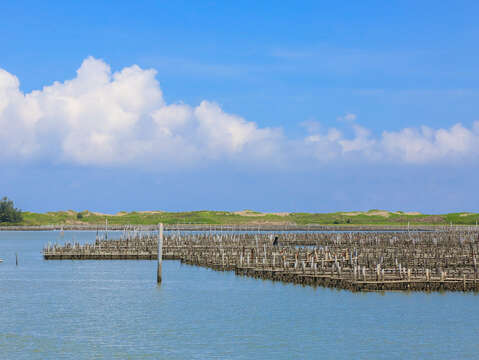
<point x="236" y="227"/>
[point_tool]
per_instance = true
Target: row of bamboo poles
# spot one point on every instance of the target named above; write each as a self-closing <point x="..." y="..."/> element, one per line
<point x="357" y="261"/>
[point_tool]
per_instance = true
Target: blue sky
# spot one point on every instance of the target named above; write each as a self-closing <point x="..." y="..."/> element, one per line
<point x="275" y="106"/>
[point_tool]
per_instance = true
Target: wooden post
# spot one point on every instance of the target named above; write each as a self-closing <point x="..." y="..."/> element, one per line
<point x="106" y="228"/>
<point x="160" y="253"/>
<point x="264" y="257"/>
<point x="16" y="259"/>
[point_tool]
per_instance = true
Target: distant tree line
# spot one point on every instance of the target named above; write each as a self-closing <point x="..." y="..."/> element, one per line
<point x="8" y="212"/>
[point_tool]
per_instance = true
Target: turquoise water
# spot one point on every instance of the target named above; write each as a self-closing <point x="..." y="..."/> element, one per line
<point x="114" y="309"/>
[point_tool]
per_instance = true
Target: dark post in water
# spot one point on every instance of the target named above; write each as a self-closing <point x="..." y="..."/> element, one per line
<point x="160" y="254"/>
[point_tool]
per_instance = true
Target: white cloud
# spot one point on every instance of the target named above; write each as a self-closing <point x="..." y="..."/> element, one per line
<point x="121" y="118"/>
<point x="101" y="118"/>
<point x="428" y="145"/>
<point x="409" y="145"/>
<point x="348" y="118"/>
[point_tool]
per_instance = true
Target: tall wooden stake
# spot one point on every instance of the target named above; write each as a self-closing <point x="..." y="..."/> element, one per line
<point x="160" y="254"/>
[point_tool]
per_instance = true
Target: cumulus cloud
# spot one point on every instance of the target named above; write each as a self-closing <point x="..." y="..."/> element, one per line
<point x="409" y="145"/>
<point x="100" y="117"/>
<point x="121" y="118"/>
<point x="428" y="145"/>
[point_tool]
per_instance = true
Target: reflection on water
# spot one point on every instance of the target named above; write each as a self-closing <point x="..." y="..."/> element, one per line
<point x="114" y="309"/>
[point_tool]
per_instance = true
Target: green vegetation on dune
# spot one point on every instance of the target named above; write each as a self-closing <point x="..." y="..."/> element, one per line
<point x="372" y="217"/>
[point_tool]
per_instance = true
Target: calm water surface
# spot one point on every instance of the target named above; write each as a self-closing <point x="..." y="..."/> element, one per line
<point x="113" y="309"/>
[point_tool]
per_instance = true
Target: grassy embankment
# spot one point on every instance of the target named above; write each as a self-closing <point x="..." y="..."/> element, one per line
<point x="371" y="217"/>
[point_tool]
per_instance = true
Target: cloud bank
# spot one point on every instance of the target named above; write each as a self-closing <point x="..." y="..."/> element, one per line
<point x="422" y="145"/>
<point x="104" y="118"/>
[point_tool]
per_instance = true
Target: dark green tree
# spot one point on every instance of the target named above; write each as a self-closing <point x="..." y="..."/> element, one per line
<point x="8" y="212"/>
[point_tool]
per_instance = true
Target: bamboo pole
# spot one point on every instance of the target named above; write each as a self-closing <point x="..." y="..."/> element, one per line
<point x="160" y="254"/>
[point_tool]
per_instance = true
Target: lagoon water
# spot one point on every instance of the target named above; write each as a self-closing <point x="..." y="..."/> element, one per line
<point x="114" y="309"/>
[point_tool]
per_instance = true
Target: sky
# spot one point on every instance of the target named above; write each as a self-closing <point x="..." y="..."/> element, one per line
<point x="303" y="106"/>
